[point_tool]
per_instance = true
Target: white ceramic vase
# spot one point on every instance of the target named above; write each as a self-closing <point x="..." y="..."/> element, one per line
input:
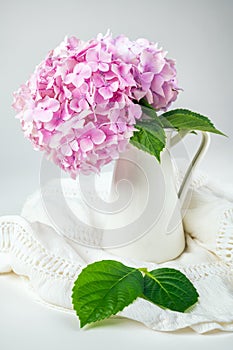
<point x="148" y="219"/>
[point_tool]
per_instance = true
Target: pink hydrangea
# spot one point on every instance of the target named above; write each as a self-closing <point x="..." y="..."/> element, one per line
<point x="77" y="107"/>
<point x="79" y="104"/>
<point x="154" y="74"/>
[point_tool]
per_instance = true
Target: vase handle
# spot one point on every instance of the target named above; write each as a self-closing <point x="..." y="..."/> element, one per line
<point x="196" y="159"/>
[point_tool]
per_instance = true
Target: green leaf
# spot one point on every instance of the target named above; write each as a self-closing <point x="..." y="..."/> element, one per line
<point x="183" y="119"/>
<point x="148" y="110"/>
<point x="150" y="137"/>
<point x="143" y="102"/>
<point x="169" y="288"/>
<point x="104" y="288"/>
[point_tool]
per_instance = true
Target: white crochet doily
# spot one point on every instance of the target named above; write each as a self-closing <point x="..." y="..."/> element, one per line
<point x="31" y="247"/>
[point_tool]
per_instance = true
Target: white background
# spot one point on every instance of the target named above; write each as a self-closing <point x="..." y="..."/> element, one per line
<point x="198" y="34"/>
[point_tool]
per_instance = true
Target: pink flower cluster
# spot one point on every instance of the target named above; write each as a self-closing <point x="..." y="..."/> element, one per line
<point x="155" y="75"/>
<point x="79" y="104"/>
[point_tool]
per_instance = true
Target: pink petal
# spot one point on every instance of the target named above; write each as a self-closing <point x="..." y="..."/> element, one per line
<point x="98" y="80"/>
<point x="143" y="42"/>
<point x="145" y="58"/>
<point x="105" y="92"/>
<point x="98" y="136"/>
<point x="168" y="72"/>
<point x="76" y="93"/>
<point x="69" y="78"/>
<point x="44" y="103"/>
<point x="86" y="145"/>
<point x="67" y="92"/>
<point x="93" y="66"/>
<point x="156" y="85"/>
<point x="66" y="150"/>
<point x="73" y="42"/>
<point x="77" y="68"/>
<point x="149" y="97"/>
<point x="65" y="111"/>
<point x="43" y="115"/>
<point x="55" y="140"/>
<point x="92" y="55"/>
<point x="147" y="77"/>
<point x="85" y="71"/>
<point x="103" y="67"/>
<point x="136" y="110"/>
<point x="51" y="126"/>
<point x="84" y="88"/>
<point x="154" y="62"/>
<point x="168" y="91"/>
<point x="83" y="104"/>
<point x="44" y="136"/>
<point x="78" y="81"/>
<point x="78" y="124"/>
<point x="111" y="74"/>
<point x="158" y="63"/>
<point x="53" y="104"/>
<point x="28" y="115"/>
<point x="104" y="56"/>
<point x="114" y="115"/>
<point x="74" y="145"/>
<point x="74" y="105"/>
<point x="114" y="86"/>
<point x="138" y="94"/>
<point x="121" y="125"/>
<point x="98" y="98"/>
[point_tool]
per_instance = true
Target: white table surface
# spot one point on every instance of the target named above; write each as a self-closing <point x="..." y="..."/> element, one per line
<point x="27" y="324"/>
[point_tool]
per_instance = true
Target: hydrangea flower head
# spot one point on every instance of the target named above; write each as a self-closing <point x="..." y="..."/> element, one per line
<point x="79" y="104"/>
<point x="154" y="74"/>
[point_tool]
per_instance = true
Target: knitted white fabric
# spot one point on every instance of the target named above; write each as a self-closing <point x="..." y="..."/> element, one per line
<point x="31" y="247"/>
